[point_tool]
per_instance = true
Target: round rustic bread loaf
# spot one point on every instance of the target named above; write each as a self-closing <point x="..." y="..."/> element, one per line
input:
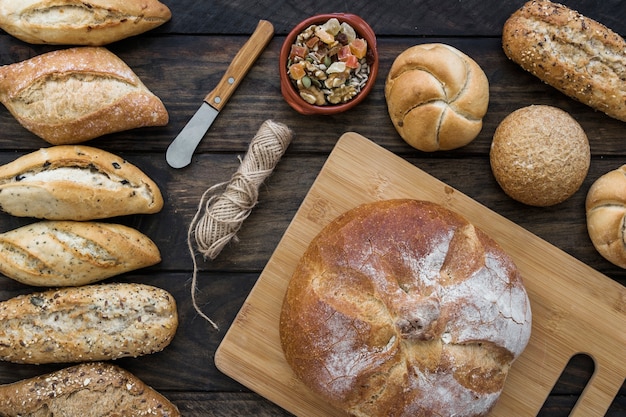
<point x="606" y="215"/>
<point x="404" y="308"/>
<point x="540" y="155"/>
<point x="436" y="97"/>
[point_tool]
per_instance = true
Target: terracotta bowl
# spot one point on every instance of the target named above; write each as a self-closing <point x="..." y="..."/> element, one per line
<point x="290" y="92"/>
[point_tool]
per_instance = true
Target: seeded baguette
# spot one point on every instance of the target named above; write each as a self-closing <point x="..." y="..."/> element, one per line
<point x="574" y="54"/>
<point x="73" y="22"/>
<point x="89" y="389"/>
<point x="89" y="323"/>
<point x="68" y="253"/>
<point x="73" y="95"/>
<point x="75" y="182"/>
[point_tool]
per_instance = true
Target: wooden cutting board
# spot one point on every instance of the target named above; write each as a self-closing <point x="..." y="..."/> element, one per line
<point x="575" y="308"/>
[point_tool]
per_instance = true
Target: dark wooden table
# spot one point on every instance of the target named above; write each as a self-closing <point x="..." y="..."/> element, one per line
<point x="182" y="60"/>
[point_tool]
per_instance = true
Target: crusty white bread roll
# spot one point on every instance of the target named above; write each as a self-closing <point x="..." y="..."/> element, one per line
<point x="89" y="323"/>
<point x="574" y="54"/>
<point x="606" y="215"/>
<point x="96" y="389"/>
<point x="73" y="22"/>
<point x="540" y="155"/>
<point x="75" y="182"/>
<point x="69" y="253"/>
<point x="404" y="308"/>
<point x="77" y="94"/>
<point x="436" y="97"/>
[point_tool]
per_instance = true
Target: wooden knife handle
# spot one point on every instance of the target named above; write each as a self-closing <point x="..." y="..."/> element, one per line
<point x="240" y="65"/>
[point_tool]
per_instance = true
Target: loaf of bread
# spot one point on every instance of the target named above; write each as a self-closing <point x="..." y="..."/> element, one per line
<point x="574" y="54"/>
<point x="606" y="215"/>
<point x="95" y="389"/>
<point x="89" y="323"/>
<point x="68" y="253"/>
<point x="71" y="22"/>
<point x="436" y="97"/>
<point x="404" y="308"/>
<point x="76" y="182"/>
<point x="540" y="155"/>
<point x="77" y="94"/>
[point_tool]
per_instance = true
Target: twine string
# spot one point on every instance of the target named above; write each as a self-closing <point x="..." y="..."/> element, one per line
<point x="225" y="206"/>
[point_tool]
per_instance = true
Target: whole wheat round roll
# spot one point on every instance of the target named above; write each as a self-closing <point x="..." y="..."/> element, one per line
<point x="436" y="97"/>
<point x="404" y="308"/>
<point x="540" y="155"/>
<point x="606" y="215"/>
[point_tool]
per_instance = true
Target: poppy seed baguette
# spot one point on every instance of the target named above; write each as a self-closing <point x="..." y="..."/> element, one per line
<point x="86" y="390"/>
<point x="574" y="54"/>
<point x="89" y="323"/>
<point x="67" y="253"/>
<point x="74" y="182"/>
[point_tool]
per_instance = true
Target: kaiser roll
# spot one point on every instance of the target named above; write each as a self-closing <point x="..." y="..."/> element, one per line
<point x="436" y="97"/>
<point x="404" y="308"/>
<point x="540" y="155"/>
<point x="606" y="215"/>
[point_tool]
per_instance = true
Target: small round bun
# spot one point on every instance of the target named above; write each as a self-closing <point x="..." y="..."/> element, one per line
<point x="540" y="155"/>
<point x="404" y="308"/>
<point x="606" y="215"/>
<point x="436" y="97"/>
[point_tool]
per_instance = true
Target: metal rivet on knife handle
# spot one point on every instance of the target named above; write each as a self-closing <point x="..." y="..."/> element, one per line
<point x="181" y="150"/>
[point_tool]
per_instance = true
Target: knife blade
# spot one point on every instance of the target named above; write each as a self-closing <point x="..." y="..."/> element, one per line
<point x="180" y="151"/>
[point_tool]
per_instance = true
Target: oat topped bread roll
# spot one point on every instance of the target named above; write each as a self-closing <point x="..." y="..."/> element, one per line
<point x="74" y="22"/>
<point x="77" y="94"/>
<point x="578" y="56"/>
<point x="76" y="182"/>
<point x="97" y="389"/>
<point x="404" y="308"/>
<point x="89" y="323"/>
<point x="66" y="253"/>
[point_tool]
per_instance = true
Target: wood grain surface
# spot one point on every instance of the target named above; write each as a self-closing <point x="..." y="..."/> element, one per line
<point x="185" y="58"/>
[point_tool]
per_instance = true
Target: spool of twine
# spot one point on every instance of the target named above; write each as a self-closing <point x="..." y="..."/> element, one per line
<point x="224" y="207"/>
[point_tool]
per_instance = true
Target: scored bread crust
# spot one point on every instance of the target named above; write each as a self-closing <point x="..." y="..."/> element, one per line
<point x="88" y="323"/>
<point x="95" y="389"/>
<point x="605" y="207"/>
<point x="577" y="55"/>
<point x="76" y="182"/>
<point x="403" y="308"/>
<point x="436" y="97"/>
<point x="73" y="95"/>
<point x="75" y="22"/>
<point x="69" y="253"/>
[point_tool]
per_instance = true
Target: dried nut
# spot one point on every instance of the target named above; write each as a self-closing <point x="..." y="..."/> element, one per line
<point x="342" y="94"/>
<point x="313" y="95"/>
<point x="336" y="79"/>
<point x="320" y="75"/>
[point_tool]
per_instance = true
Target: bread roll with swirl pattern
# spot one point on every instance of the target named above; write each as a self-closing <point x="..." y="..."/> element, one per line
<point x="89" y="323"/>
<point x="436" y="97"/>
<point x="73" y="95"/>
<point x="67" y="253"/>
<point x="95" y="389"/>
<point x="75" y="182"/>
<point x="404" y="308"/>
<point x="606" y="215"/>
<point x="74" y="22"/>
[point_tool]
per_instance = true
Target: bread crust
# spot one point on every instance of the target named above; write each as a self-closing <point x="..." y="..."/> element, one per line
<point x="436" y="97"/>
<point x="89" y="323"/>
<point x="605" y="207"/>
<point x="75" y="22"/>
<point x="68" y="253"/>
<point x="577" y="55"/>
<point x="73" y="95"/>
<point x="75" y="182"/>
<point x="403" y="308"/>
<point x="95" y="389"/>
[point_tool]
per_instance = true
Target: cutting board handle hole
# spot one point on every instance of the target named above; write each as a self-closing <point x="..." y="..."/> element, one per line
<point x="566" y="391"/>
